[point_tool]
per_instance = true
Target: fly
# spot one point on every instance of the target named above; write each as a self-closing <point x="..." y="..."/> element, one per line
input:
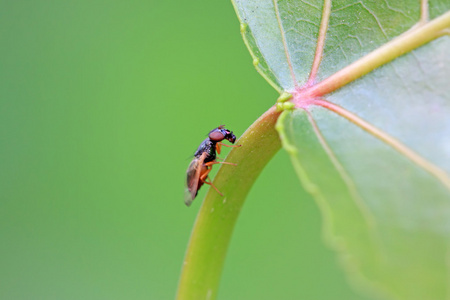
<point x="204" y="158"/>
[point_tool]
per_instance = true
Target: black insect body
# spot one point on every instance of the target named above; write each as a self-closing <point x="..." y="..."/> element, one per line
<point x="204" y="158"/>
<point x="208" y="147"/>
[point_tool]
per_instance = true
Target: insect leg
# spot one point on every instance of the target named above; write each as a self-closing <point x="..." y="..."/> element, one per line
<point x="211" y="184"/>
<point x="205" y="175"/>
<point x="225" y="145"/>
<point x="219" y="162"/>
<point x="218" y="147"/>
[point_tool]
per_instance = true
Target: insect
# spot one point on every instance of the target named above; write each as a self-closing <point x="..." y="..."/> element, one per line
<point x="204" y="158"/>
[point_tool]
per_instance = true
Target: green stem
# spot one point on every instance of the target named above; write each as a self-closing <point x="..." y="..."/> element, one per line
<point x="215" y="221"/>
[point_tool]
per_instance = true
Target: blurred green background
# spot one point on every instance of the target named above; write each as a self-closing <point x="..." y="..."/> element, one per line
<point x="102" y="104"/>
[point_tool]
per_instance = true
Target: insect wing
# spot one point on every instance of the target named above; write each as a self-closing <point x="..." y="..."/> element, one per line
<point x="192" y="176"/>
<point x="192" y="179"/>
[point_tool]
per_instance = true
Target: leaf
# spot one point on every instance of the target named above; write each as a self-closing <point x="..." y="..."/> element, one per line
<point x="371" y="146"/>
<point x="370" y="135"/>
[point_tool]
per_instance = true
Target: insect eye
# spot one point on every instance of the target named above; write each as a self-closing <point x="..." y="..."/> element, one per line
<point x="216" y="136"/>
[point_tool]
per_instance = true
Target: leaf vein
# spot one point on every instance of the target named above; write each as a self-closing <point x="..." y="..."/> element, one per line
<point x="353" y="191"/>
<point x="389" y="140"/>
<point x="396" y="10"/>
<point x="326" y="12"/>
<point x="283" y="38"/>
<point x="368" y="10"/>
<point x="376" y="19"/>
<point x="310" y="4"/>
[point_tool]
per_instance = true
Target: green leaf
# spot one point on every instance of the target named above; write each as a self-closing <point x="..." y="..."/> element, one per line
<point x="368" y="139"/>
<point x="375" y="152"/>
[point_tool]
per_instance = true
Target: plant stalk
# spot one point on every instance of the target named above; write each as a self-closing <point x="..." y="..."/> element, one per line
<point x="215" y="221"/>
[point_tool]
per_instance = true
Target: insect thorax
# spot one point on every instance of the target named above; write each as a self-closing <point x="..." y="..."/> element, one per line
<point x="209" y="147"/>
